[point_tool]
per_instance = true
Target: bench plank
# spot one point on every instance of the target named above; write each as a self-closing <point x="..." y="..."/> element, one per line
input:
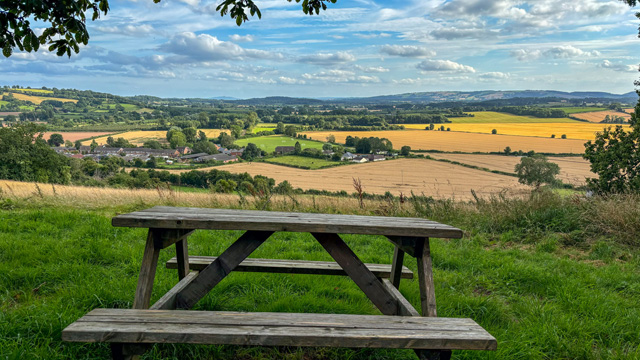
<point x="168" y="217"/>
<point x="278" y="329"/>
<point x="290" y="266"/>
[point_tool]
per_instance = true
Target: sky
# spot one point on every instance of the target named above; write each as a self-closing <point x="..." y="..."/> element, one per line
<point x="184" y="48"/>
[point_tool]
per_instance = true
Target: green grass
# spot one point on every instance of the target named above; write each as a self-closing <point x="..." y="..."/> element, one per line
<point x="263" y="128"/>
<point x="303" y="162"/>
<point x="2" y="102"/>
<point x="496" y="117"/>
<point x="542" y="301"/>
<point x="576" y="110"/>
<point x="269" y="143"/>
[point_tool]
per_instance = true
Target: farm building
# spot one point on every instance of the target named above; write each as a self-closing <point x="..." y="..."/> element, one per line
<point x="218" y="157"/>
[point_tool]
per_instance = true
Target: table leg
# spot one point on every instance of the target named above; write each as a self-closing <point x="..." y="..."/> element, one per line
<point x="425" y="278"/>
<point x="396" y="267"/>
<point x="147" y="273"/>
<point x="182" y="255"/>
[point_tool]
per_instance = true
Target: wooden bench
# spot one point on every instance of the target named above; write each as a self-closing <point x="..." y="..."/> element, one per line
<point x="278" y="329"/>
<point x="401" y="326"/>
<point x="198" y="263"/>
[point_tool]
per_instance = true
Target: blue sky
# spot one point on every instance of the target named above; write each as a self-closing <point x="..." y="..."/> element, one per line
<point x="183" y="48"/>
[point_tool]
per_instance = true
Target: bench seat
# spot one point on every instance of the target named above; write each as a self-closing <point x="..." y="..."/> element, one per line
<point x="289" y="266"/>
<point x="278" y="329"/>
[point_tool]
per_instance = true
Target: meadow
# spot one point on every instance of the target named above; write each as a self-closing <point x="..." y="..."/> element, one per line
<point x="303" y="162"/>
<point x="576" y="130"/>
<point x="431" y="178"/>
<point x="269" y="143"/>
<point x="598" y="116"/>
<point x="549" y="277"/>
<point x="461" y="141"/>
<point x="496" y="117"/>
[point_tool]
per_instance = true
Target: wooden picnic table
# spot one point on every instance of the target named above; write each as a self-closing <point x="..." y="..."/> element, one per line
<point x="130" y="331"/>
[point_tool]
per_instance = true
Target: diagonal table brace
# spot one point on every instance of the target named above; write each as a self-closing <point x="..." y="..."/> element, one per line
<point x="208" y="278"/>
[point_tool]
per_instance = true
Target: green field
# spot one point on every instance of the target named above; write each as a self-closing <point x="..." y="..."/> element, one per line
<point x="303" y="162"/>
<point x="496" y="117"/>
<point x="269" y="143"/>
<point x="2" y="102"/>
<point x="527" y="272"/>
<point x="576" y="110"/>
<point x="263" y="127"/>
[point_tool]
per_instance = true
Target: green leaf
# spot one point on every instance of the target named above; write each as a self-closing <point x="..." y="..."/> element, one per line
<point x="7" y="51"/>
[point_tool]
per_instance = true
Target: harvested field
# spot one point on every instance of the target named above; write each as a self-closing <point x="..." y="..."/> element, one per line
<point x="598" y="116"/>
<point x="433" y="178"/>
<point x="576" y="130"/>
<point x="573" y="170"/>
<point x="629" y="111"/>
<point x="38" y="99"/>
<point x="139" y="137"/>
<point x="459" y="141"/>
<point x="73" y="136"/>
<point x="480" y="117"/>
<point x="7" y="113"/>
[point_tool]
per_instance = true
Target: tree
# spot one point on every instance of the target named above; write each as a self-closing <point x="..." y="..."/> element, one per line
<point x="205" y="147"/>
<point x="564" y="136"/>
<point x="65" y="27"/>
<point x="405" y="150"/>
<point x="178" y="139"/>
<point x="111" y="141"/>
<point x="494" y="131"/>
<point x="290" y="130"/>
<point x="225" y="140"/>
<point x="331" y="138"/>
<point x="297" y="148"/>
<point x="152" y="144"/>
<point x="68" y="143"/>
<point x="507" y="150"/>
<point x="190" y="134"/>
<point x="279" y="128"/>
<point x="236" y="131"/>
<point x="55" y="140"/>
<point x="251" y="152"/>
<point x="536" y="170"/>
<point x="327" y="146"/>
<point x="78" y="144"/>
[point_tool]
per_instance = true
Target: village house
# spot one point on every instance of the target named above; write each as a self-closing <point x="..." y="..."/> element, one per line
<point x="218" y="157"/>
<point x="193" y="157"/>
<point x="359" y="159"/>
<point x="347" y="156"/>
<point x="375" y="157"/>
<point x="183" y="150"/>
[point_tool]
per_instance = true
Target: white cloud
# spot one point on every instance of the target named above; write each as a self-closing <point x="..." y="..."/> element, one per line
<point x="407" y="51"/>
<point x="606" y="64"/>
<point x="328" y="58"/>
<point x="340" y="76"/>
<point x="556" y="52"/>
<point x="494" y="76"/>
<point x="128" y="30"/>
<point x="291" y="81"/>
<point x="241" y="38"/>
<point x="444" y="65"/>
<point x="373" y="35"/>
<point x="205" y="47"/>
<point x="372" y="69"/>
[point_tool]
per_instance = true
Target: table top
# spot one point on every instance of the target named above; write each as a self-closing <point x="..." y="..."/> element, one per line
<point x="168" y="217"/>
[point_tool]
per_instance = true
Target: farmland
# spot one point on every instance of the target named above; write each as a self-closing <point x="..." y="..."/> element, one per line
<point x="73" y="136"/>
<point x="630" y="111"/>
<point x="269" y="143"/>
<point x="38" y="99"/>
<point x="36" y="91"/>
<point x="433" y="178"/>
<point x="303" y="162"/>
<point x="460" y="141"/>
<point x="496" y="117"/>
<point x="576" y="110"/>
<point x="573" y="170"/>
<point x="139" y="137"/>
<point x="598" y="116"/>
<point x="576" y="130"/>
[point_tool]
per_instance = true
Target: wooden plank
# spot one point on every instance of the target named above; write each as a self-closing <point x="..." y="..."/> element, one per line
<point x="168" y="300"/>
<point x="404" y="307"/>
<point x="291" y="266"/>
<point x="182" y="258"/>
<point x="425" y="278"/>
<point x="167" y="237"/>
<point x="220" y="268"/>
<point x="397" y="267"/>
<point x="225" y="219"/>
<point x="147" y="272"/>
<point x="358" y="272"/>
<point x="278" y="329"/>
<point x="405" y="243"/>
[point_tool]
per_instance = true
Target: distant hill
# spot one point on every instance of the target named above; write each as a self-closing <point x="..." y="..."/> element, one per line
<point x="278" y="100"/>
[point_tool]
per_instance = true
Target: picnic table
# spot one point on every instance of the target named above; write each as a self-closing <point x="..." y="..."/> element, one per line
<point x="169" y="320"/>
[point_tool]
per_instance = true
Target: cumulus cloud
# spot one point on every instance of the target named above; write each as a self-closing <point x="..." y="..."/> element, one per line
<point x="205" y="47"/>
<point x="407" y="51"/>
<point x="372" y="69"/>
<point x="340" y="76"/>
<point x="454" y="33"/>
<point x="444" y="65"/>
<point x="606" y="64"/>
<point x="127" y="30"/>
<point x="494" y="76"/>
<point x="556" y="52"/>
<point x="241" y="38"/>
<point x="290" y="81"/>
<point x="339" y="57"/>
<point x="373" y="35"/>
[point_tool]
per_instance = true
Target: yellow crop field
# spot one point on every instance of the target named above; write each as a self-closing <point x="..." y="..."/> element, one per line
<point x="433" y="178"/>
<point x="577" y="130"/>
<point x="38" y="99"/>
<point x="496" y="117"/>
<point x="598" y="116"/>
<point x="573" y="170"/>
<point x="36" y="91"/>
<point x="630" y="111"/>
<point x="460" y="141"/>
<point x="139" y="137"/>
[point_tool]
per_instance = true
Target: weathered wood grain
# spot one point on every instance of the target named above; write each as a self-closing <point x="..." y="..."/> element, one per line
<point x="147" y="272"/>
<point x="167" y="237"/>
<point x="397" y="267"/>
<point x="278" y="329"/>
<point x="182" y="258"/>
<point x="425" y="278"/>
<point x="404" y="307"/>
<point x="291" y="266"/>
<point x="358" y="272"/>
<point x="168" y="300"/>
<point x="225" y="219"/>
<point x="220" y="268"/>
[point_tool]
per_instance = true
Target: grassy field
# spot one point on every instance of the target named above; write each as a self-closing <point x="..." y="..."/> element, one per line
<point x="38" y="99"/>
<point x="2" y="102"/>
<point x="496" y="117"/>
<point x="262" y="127"/>
<point x="269" y="143"/>
<point x="576" y="110"/>
<point x="461" y="141"/>
<point x="303" y="161"/>
<point x="598" y="116"/>
<point x="535" y="273"/>
<point x="576" y="130"/>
